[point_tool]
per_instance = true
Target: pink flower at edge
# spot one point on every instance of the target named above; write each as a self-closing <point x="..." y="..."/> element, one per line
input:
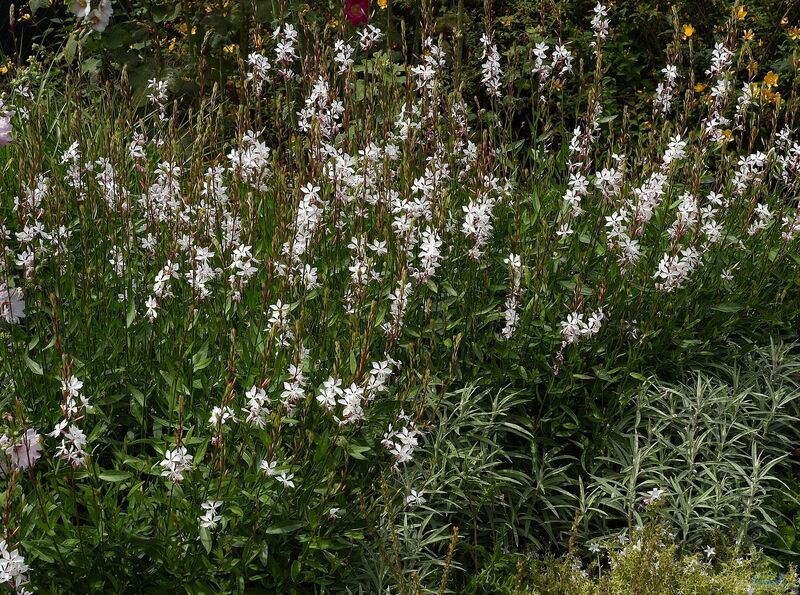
<point x="356" y="11"/>
<point x="5" y="130"/>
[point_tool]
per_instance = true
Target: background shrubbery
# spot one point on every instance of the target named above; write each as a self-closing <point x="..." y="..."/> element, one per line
<point x="556" y="400"/>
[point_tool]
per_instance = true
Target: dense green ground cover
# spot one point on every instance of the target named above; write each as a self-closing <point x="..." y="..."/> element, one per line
<point x="329" y="322"/>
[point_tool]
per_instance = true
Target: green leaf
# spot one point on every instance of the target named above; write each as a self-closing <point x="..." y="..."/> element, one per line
<point x="37" y="4"/>
<point x="284" y="527"/>
<point x="356" y="451"/>
<point x="205" y="539"/>
<point x="34" y="367"/>
<point x="70" y="48"/>
<point x="114" y="475"/>
<point x="131" y="315"/>
<point x="727" y="308"/>
<point x="137" y="404"/>
<point x="200" y="360"/>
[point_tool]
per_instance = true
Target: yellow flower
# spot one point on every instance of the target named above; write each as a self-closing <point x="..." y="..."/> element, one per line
<point x="700" y="87"/>
<point x="506" y="20"/>
<point x="727" y="135"/>
<point x="229" y="49"/>
<point x="5" y="68"/>
<point x="25" y="17"/>
<point x="333" y="23"/>
<point x="183" y="28"/>
<point x="771" y="96"/>
<point x="784" y="21"/>
<point x="740" y="12"/>
<point x="172" y="43"/>
<point x="770" y="79"/>
<point x="688" y="31"/>
<point x="383" y="3"/>
<point x="794" y="33"/>
<point x="748" y="35"/>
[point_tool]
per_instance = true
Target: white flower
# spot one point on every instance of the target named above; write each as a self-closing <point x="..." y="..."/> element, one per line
<point x="331" y="391"/>
<point x="72" y="386"/>
<point x="653" y="496"/>
<point x="369" y="36"/>
<point x="176" y="463"/>
<point x="343" y="55"/>
<point x="285" y="479"/>
<point x="26" y="451"/>
<point x="210" y="517"/>
<point x="709" y="552"/>
<point x="351" y="401"/>
<point x="491" y="67"/>
<point x="600" y="23"/>
<point x="676" y="150"/>
<point x="100" y="16"/>
<point x="80" y="8"/>
<point x="269" y="467"/>
<point x="259" y="72"/>
<point x="5" y="130"/>
<point x="415" y="498"/>
<point x="220" y="416"/>
<point x="13" y="568"/>
<point x="12" y="304"/>
<point x="256" y="409"/>
<point x="71" y="448"/>
<point x="152" y="308"/>
<point x="59" y="427"/>
<point x="401" y="444"/>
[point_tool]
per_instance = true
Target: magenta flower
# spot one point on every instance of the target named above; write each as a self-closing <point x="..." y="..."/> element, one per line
<point x="356" y="11"/>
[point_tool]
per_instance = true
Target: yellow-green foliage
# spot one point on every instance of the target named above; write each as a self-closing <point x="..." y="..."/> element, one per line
<point x="649" y="564"/>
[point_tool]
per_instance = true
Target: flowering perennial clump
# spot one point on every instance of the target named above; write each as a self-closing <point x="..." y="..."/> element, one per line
<point x="241" y="337"/>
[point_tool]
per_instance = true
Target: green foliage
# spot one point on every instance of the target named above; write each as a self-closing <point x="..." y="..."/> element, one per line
<point x="189" y="237"/>
<point x="650" y="564"/>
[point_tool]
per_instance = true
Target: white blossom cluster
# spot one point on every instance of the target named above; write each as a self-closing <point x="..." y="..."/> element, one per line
<point x="662" y="102"/>
<point x="491" y="66"/>
<point x="158" y="96"/>
<point x="600" y="24"/>
<point x="258" y="74"/>
<point x="402" y="443"/>
<point x="176" y="463"/>
<point x="557" y="65"/>
<point x="74" y="406"/>
<point x="285" y="50"/>
<point x="577" y="327"/>
<point x="511" y="314"/>
<point x="97" y="13"/>
<point x="22" y="451"/>
<point x="13" y="569"/>
<point x="716" y="121"/>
